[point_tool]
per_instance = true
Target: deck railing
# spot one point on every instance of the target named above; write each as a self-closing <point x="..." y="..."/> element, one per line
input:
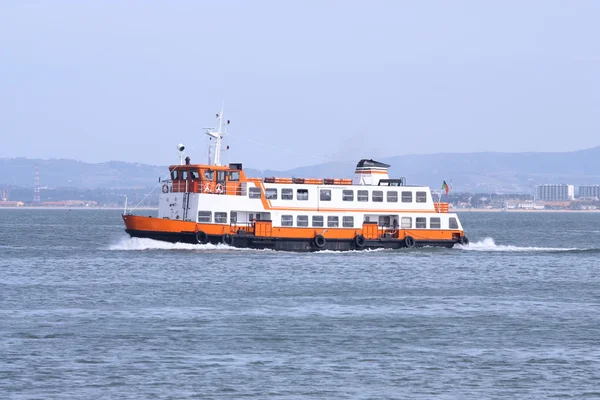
<point x="441" y="207"/>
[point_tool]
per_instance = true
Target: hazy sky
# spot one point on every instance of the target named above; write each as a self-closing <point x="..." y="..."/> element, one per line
<point x="302" y="81"/>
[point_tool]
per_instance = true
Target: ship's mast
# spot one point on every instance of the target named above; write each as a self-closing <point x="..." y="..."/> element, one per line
<point x="218" y="134"/>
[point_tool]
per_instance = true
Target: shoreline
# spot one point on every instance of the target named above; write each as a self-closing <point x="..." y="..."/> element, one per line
<point x="498" y="210"/>
<point x="456" y="210"/>
<point x="77" y="208"/>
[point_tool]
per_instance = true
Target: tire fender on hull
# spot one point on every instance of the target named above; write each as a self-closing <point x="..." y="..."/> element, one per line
<point x="227" y="239"/>
<point x="201" y="237"/>
<point x="359" y="241"/>
<point x="319" y="241"/>
<point x="409" y="241"/>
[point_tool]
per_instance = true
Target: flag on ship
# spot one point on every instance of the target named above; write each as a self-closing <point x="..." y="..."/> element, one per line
<point x="445" y="187"/>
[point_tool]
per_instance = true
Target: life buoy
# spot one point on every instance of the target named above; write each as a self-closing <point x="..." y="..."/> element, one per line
<point x="207" y="188"/>
<point x="359" y="241"/>
<point x="165" y="188"/>
<point x="227" y="239"/>
<point x="464" y="240"/>
<point x="319" y="241"/>
<point x="409" y="241"/>
<point x="219" y="189"/>
<point x="201" y="237"/>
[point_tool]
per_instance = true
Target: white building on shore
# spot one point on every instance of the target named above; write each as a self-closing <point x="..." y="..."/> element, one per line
<point x="555" y="192"/>
<point x="589" y="192"/>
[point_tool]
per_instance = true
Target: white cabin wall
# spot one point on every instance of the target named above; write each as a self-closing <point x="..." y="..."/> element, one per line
<point x="171" y="205"/>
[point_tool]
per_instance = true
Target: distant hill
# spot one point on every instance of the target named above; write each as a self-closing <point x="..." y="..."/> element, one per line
<point x="77" y="174"/>
<point x="479" y="172"/>
<point x="473" y="172"/>
<point x="71" y="173"/>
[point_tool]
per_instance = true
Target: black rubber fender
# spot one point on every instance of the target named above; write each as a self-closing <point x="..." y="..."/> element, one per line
<point x="227" y="239"/>
<point x="464" y="240"/>
<point x="409" y="241"/>
<point x="359" y="241"/>
<point x="201" y="237"/>
<point x="319" y="241"/>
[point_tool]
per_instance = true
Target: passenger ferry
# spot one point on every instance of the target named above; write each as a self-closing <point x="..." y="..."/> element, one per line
<point x="214" y="203"/>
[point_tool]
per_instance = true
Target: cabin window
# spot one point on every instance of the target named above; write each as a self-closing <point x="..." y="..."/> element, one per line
<point x="204" y="216"/>
<point x="287" y="194"/>
<point x="392" y="196"/>
<point x="263" y="216"/>
<point x="435" y="223"/>
<point x="221" y="176"/>
<point x="317" y="221"/>
<point x="234" y="176"/>
<point x="453" y="223"/>
<point x="195" y="174"/>
<point x="271" y="193"/>
<point x="184" y="175"/>
<point x="209" y="175"/>
<point x="384" y="220"/>
<point x="302" y="194"/>
<point x="254" y="193"/>
<point x="233" y="217"/>
<point x="377" y="196"/>
<point x="421" y="197"/>
<point x="220" y="218"/>
<point x="362" y="195"/>
<point x="421" y="223"/>
<point x="333" y="222"/>
<point x="348" y="195"/>
<point x="325" y="195"/>
<point x="287" y="220"/>
<point x="302" y="220"/>
<point x="407" y="197"/>
<point x="348" y="222"/>
<point x="406" y="222"/>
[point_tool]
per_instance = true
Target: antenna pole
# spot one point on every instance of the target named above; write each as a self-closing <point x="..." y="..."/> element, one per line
<point x="217" y="159"/>
<point x="216" y="133"/>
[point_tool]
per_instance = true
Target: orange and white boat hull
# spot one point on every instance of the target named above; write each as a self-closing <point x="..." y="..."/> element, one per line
<point x="261" y="235"/>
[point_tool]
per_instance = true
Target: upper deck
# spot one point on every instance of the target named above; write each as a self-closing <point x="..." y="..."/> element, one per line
<point x="303" y="193"/>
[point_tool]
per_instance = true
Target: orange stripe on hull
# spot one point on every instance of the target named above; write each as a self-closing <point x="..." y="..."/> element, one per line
<point x="140" y="223"/>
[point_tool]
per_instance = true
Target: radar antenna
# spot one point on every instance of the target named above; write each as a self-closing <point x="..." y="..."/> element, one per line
<point x="180" y="149"/>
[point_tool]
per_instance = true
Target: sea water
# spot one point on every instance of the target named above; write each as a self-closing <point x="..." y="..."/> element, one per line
<point x="87" y="312"/>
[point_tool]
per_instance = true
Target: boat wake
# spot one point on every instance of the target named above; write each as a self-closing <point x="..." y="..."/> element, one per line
<point x="365" y="251"/>
<point x="485" y="245"/>
<point x="138" y="244"/>
<point x="488" y="244"/>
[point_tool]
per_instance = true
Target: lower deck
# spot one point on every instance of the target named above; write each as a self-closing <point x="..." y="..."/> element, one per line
<point x="261" y="235"/>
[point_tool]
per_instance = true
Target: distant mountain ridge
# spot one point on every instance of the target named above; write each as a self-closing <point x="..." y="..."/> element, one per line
<point x="474" y="172"/>
<point x="479" y="172"/>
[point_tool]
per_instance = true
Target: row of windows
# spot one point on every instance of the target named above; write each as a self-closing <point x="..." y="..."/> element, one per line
<point x="384" y="220"/>
<point x="347" y="195"/>
<point x="318" y="221"/>
<point x="209" y="175"/>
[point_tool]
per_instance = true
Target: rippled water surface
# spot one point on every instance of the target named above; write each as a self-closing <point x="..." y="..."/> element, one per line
<point x="86" y="312"/>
